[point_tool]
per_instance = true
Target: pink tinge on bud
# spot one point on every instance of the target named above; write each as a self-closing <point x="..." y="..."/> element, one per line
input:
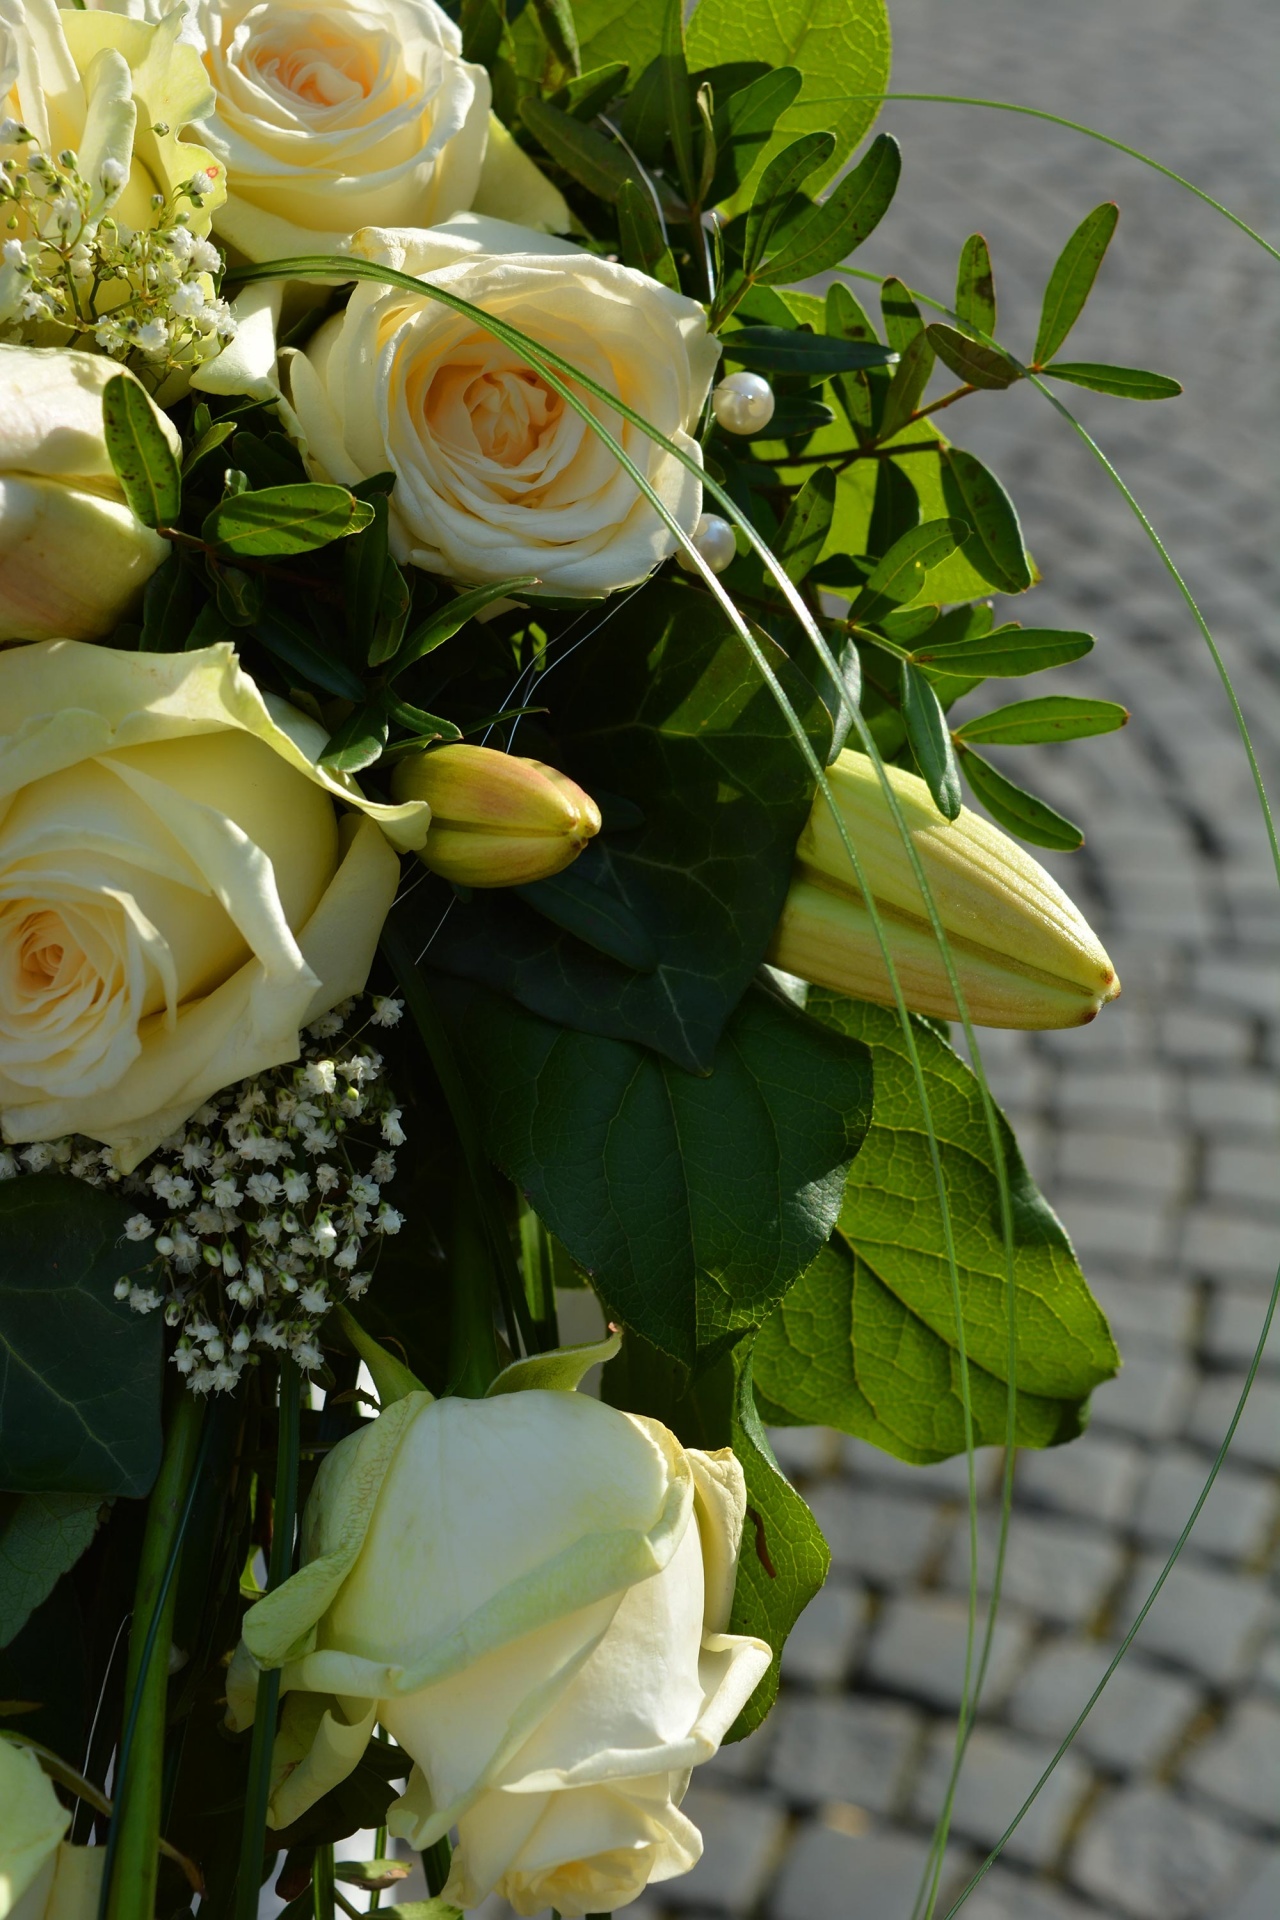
<point x="497" y="820"/>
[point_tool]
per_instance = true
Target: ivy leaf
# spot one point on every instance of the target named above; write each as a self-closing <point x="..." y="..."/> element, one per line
<point x="79" y="1370"/>
<point x="1071" y="281"/>
<point x="143" y="459"/>
<point x="41" y="1537"/>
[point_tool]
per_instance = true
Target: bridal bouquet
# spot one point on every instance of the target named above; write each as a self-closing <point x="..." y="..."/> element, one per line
<point x="484" y="586"/>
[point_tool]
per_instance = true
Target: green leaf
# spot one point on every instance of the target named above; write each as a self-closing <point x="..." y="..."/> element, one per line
<point x="906" y="389"/>
<point x="1127" y="383"/>
<point x="844" y="319"/>
<point x="629" y="30"/>
<point x="976" y="286"/>
<point x="784" y="350"/>
<point x="841" y="47"/>
<point x="676" y="92"/>
<point x="903" y="320"/>
<point x="692" y="1201"/>
<point x="1005" y="653"/>
<point x="274" y="522"/>
<point x="168" y="607"/>
<point x="1058" y="716"/>
<point x="930" y="740"/>
<point x="80" y="1371"/>
<point x="446" y="620"/>
<point x="290" y="641"/>
<point x="974" y="494"/>
<point x="555" y="17"/>
<point x="667" y="711"/>
<point x="42" y="1535"/>
<point x="793" y="416"/>
<point x="214" y="436"/>
<point x="141" y="456"/>
<point x="598" y="163"/>
<point x="829" y="233"/>
<point x="779" y="182"/>
<point x="561" y="1371"/>
<point x="594" y="914"/>
<point x="743" y="123"/>
<point x="643" y="243"/>
<point x="589" y="93"/>
<point x="1016" y="810"/>
<point x="1071" y="281"/>
<point x="892" y="1220"/>
<point x="843" y="1351"/>
<point x="898" y="578"/>
<point x="643" y="119"/>
<point x="803" y="533"/>
<point x="359" y="741"/>
<point x="981" y="366"/>
<point x="482" y="23"/>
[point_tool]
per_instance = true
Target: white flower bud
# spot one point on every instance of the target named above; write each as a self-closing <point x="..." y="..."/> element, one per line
<point x="743" y="403"/>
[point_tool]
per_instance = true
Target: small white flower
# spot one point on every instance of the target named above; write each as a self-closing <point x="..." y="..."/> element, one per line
<point x="205" y="1220"/>
<point x="318" y="1140"/>
<point x="113" y="174"/>
<point x="153" y="337"/>
<point x="204" y="181"/>
<point x="348" y="1256"/>
<point x="164" y="1245"/>
<point x="38" y="1156"/>
<point x="383" y="1168"/>
<point x="269" y="1231"/>
<point x="15" y="254"/>
<point x="205" y="257"/>
<point x="269" y="1334"/>
<point x="314" y="1299"/>
<point x="144" y="1300"/>
<point x="392" y="1132"/>
<point x="240" y="1339"/>
<point x="387" y="1010"/>
<point x="138" y="1227"/>
<point x="264" y="1188"/>
<point x="327" y="1178"/>
<point x="357" y="1285"/>
<point x="187" y="300"/>
<point x="326" y="1026"/>
<point x="201" y="1380"/>
<point x="11" y="130"/>
<point x="325" y="1235"/>
<point x="225" y="1376"/>
<point x="122" y="1289"/>
<point x="389" y="1220"/>
<point x="363" y="1191"/>
<point x="184" y="1357"/>
<point x="230" y="1260"/>
<point x="225" y="1193"/>
<point x="297" y="1187"/>
<point x="307" y="1354"/>
<point x="255" y="1279"/>
<point x="180" y="242"/>
<point x="320" y="1077"/>
<point x="215" y="1348"/>
<point x="196" y="1154"/>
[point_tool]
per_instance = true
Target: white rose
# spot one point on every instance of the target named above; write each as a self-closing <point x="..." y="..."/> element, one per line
<point x="177" y="893"/>
<point x="496" y="475"/>
<point x="42" y="1877"/>
<point x="337" y="115"/>
<point x="530" y="1592"/>
<point x="73" y="556"/>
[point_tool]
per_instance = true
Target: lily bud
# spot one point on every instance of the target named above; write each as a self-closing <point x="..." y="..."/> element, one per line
<point x="496" y="821"/>
<point x="1023" y="954"/>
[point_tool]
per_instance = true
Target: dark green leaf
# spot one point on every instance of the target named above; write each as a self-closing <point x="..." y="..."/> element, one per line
<point x="642" y="241"/>
<point x="482" y="23"/>
<point x="588" y="94"/>
<point x="290" y="641"/>
<point x="679" y="104"/>
<point x="168" y="607"/>
<point x="1058" y="716"/>
<point x="277" y="521"/>
<point x="803" y="533"/>
<point x="976" y="286"/>
<point x="898" y="578"/>
<point x="428" y="726"/>
<point x="643" y="120"/>
<point x="79" y="1370"/>
<point x="208" y="628"/>
<point x="555" y="17"/>
<point x="780" y="180"/>
<point x="978" y="365"/>
<point x="792" y="416"/>
<point x="240" y="596"/>
<point x="1127" y="383"/>
<point x="743" y="123"/>
<point x="452" y="617"/>
<point x="141" y="456"/>
<point x="359" y="741"/>
<point x="692" y="1201"/>
<point x="42" y="1535"/>
<point x="1071" y="281"/>
<point x="600" y="918"/>
<point x="854" y="208"/>
<point x="908" y="624"/>
<point x="974" y="494"/>
<point x="214" y="436"/>
<point x="930" y="740"/>
<point x="846" y="320"/>
<point x="1016" y="810"/>
<point x="784" y="350"/>
<point x="906" y="389"/>
<point x="1006" y="652"/>
<point x="895" y="509"/>
<point x="600" y="164"/>
<point x="903" y="320"/>
<point x="363" y="561"/>
<point x="268" y="460"/>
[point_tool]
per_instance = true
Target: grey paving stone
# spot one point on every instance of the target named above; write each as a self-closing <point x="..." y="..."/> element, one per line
<point x="1143" y="1161"/>
<point x="828" y="1875"/>
<point x="1260" y="1899"/>
<point x="918" y="1648"/>
<point x="1239" y="1766"/>
<point x="803" y="1452"/>
<point x="999" y="1771"/>
<point x="1158" y="1315"/>
<point x="1236" y="1171"/>
<point x="741" y="1761"/>
<point x="1235" y="1520"/>
<point x="1268" y="1667"/>
<point x="1109" y="1094"/>
<point x="741" y="1838"/>
<point x="1252" y="986"/>
<point x="1257" y="1438"/>
<point x="1226" y="1245"/>
<point x="852" y="1749"/>
<point x="1137" y="1718"/>
<point x="1055" y="1569"/>
<point x="1234" y="1103"/>
<point x="1209" y="1622"/>
<point x="947" y="1479"/>
<point x="827" y="1638"/>
<point x="1156" y="1857"/>
<point x="881" y="1537"/>
<point x="1148" y="1397"/>
<point x="1190" y="1034"/>
<point x="1095" y="1477"/>
<point x="1108" y="1228"/>
<point x="1232" y="1327"/>
<point x="1003" y="1894"/>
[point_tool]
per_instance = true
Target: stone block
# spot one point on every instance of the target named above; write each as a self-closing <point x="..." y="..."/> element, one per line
<point x="1225" y="1245"/>
<point x="804" y="1452"/>
<point x="741" y="1837"/>
<point x="1055" y="1569"/>
<point x="1112" y="1229"/>
<point x="1003" y="1894"/>
<point x="1142" y="1161"/>
<point x="825" y="1642"/>
<point x="918" y="1648"/>
<point x="1239" y="1765"/>
<point x="1209" y="1622"/>
<point x="998" y="1773"/>
<point x="945" y="1479"/>
<point x="830" y="1875"/>
<point x="1234" y="1521"/>
<point x="1109" y="1094"/>
<point x="1191" y="1035"/>
<point x="1234" y="1103"/>
<point x="1148" y="1397"/>
<point x="1260" y="1899"/>
<point x="1248" y="986"/>
<point x="1257" y="1438"/>
<point x="853" y="1750"/>
<point x="1232" y="1326"/>
<point x="880" y="1537"/>
<point x="1147" y="1316"/>
<point x="1140" y="1713"/>
<point x="1156" y="1857"/>
<point x="1235" y="1171"/>
<point x="741" y="1761"/>
<point x="1095" y="1477"/>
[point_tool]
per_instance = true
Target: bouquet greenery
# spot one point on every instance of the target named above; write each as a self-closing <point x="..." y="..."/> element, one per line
<point x="482" y="822"/>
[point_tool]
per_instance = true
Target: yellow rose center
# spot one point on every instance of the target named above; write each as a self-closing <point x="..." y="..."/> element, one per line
<point x="511" y="413"/>
<point x="43" y="942"/>
<point x="314" y="63"/>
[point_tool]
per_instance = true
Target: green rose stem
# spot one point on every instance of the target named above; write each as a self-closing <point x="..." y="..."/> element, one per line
<point x="258" y="1785"/>
<point x="323" y="1885"/>
<point x="129" y="1877"/>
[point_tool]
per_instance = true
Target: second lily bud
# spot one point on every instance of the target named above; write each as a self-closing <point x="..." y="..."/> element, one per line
<point x="1023" y="955"/>
<point x="496" y="821"/>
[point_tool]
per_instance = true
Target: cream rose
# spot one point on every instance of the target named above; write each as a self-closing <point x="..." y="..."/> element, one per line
<point x="73" y="556"/>
<point x="337" y="114"/>
<point x="42" y="1877"/>
<point x="531" y="1593"/>
<point x="178" y="895"/>
<point x="496" y="475"/>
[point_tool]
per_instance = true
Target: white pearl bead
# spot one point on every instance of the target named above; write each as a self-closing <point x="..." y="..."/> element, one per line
<point x="743" y="403"/>
<point x="714" y="538"/>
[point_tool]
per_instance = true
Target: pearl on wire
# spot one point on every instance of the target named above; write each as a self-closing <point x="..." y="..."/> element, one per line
<point x="715" y="541"/>
<point x="743" y="403"/>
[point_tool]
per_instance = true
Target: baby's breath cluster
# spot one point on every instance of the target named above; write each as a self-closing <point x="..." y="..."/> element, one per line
<point x="146" y="296"/>
<point x="267" y="1207"/>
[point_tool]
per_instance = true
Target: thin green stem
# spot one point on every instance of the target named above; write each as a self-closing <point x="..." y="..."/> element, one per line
<point x="379" y="1853"/>
<point x="324" y="1887"/>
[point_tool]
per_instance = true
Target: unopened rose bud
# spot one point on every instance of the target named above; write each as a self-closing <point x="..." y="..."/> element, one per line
<point x="1023" y="954"/>
<point x="496" y="821"/>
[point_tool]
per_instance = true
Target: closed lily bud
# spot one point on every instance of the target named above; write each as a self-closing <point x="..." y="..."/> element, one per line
<point x="1023" y="954"/>
<point x="73" y="556"/>
<point x="496" y="821"/>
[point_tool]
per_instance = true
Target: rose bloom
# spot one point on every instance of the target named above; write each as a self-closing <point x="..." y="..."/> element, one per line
<point x="337" y="114"/>
<point x="178" y="894"/>
<point x="496" y="475"/>
<point x="530" y="1592"/>
<point x="73" y="555"/>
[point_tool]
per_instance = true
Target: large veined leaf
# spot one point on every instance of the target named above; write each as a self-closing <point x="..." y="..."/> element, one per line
<point x="841" y="47"/>
<point x="42" y="1535"/>
<point x="79" y="1370"/>
<point x="667" y="713"/>
<point x="629" y="30"/>
<point x="693" y="1201"/>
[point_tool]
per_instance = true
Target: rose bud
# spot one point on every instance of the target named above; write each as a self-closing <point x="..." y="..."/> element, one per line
<point x="1023" y="954"/>
<point x="496" y="821"/>
<point x="73" y="555"/>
